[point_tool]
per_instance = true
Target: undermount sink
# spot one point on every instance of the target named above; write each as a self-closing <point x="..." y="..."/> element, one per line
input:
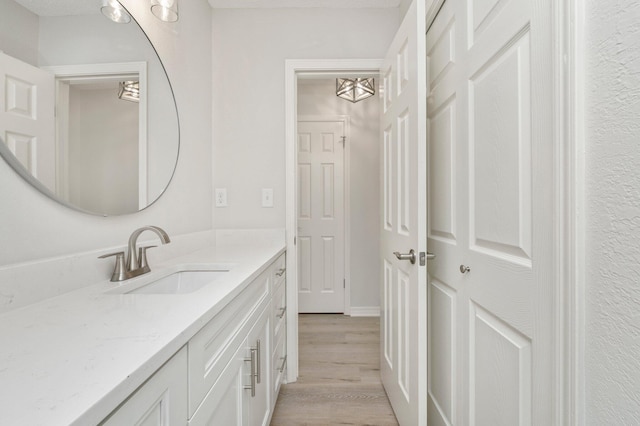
<point x="181" y="282"/>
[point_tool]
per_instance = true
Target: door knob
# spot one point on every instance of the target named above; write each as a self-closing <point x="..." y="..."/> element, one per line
<point x="411" y="256"/>
<point x="464" y="269"/>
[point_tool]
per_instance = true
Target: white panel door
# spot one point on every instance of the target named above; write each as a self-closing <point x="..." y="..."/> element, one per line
<point x="403" y="227"/>
<point x="320" y="216"/>
<point x="490" y="210"/>
<point x="27" y="120"/>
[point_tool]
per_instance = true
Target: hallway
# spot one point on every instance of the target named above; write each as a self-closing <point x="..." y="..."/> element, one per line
<point x="339" y="379"/>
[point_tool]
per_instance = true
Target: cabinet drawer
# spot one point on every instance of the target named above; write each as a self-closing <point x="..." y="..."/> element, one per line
<point x="279" y="309"/>
<point x="279" y="269"/>
<point x="279" y="363"/>
<point x="211" y="349"/>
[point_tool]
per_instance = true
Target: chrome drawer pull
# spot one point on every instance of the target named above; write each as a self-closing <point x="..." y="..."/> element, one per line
<point x="280" y="272"/>
<point x="282" y="312"/>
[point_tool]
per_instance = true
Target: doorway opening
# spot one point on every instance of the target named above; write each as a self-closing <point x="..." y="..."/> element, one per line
<point x="305" y="81"/>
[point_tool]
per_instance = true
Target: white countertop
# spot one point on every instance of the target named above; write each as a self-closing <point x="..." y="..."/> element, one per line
<point x="73" y="358"/>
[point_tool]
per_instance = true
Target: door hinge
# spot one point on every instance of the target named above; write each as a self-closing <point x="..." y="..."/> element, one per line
<point x="344" y="283"/>
<point x="344" y="140"/>
<point x="294" y="241"/>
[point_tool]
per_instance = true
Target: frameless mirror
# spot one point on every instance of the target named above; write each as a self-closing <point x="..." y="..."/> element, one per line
<point x="87" y="113"/>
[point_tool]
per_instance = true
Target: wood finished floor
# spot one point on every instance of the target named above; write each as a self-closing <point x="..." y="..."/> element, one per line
<point x="339" y="375"/>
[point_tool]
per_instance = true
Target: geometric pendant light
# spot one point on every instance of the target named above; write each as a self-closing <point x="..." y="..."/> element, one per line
<point x="355" y="89"/>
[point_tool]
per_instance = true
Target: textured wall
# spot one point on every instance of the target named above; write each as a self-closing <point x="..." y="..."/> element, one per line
<point x="613" y="212"/>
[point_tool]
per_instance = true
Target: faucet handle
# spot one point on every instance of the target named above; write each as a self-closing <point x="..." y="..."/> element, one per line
<point x="143" y="263"/>
<point x="119" y="271"/>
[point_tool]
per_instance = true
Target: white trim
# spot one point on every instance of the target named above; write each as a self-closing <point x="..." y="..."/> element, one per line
<point x="97" y="72"/>
<point x="570" y="194"/>
<point x="346" y="127"/>
<point x="293" y="67"/>
<point x="365" y="311"/>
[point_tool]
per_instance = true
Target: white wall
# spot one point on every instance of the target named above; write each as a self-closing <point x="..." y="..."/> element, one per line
<point x="317" y="97"/>
<point x="613" y="212"/>
<point x="250" y="47"/>
<point x="33" y="227"/>
<point x="18" y="32"/>
<point x="103" y="150"/>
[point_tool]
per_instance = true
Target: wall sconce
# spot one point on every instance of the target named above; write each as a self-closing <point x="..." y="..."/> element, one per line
<point x="355" y="89"/>
<point x="129" y="91"/>
<point x="113" y="10"/>
<point x="165" y="10"/>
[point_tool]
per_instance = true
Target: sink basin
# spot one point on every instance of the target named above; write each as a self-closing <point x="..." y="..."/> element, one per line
<point x="182" y="282"/>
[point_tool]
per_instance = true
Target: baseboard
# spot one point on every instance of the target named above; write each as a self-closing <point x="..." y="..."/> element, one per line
<point x="365" y="311"/>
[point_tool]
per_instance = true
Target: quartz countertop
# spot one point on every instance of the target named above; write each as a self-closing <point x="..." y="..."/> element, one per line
<point x="72" y="359"/>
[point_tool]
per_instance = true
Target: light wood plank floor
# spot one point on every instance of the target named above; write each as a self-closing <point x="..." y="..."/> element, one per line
<point x="339" y="375"/>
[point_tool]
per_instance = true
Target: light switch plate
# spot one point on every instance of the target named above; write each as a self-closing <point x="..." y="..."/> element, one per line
<point x="221" y="197"/>
<point x="267" y="197"/>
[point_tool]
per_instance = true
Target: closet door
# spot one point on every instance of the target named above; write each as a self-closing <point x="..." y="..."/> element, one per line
<point x="491" y="300"/>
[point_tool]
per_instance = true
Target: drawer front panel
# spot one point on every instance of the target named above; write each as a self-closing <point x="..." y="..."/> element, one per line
<point x="279" y="309"/>
<point x="279" y="363"/>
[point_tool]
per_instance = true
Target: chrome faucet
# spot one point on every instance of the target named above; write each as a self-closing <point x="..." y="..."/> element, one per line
<point x="135" y="263"/>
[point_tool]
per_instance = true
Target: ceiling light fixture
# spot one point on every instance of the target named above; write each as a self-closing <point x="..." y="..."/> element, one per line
<point x="113" y="10"/>
<point x="355" y="89"/>
<point x="165" y="10"/>
<point x="129" y="91"/>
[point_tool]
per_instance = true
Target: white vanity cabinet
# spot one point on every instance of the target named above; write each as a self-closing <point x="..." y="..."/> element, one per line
<point x="161" y="400"/>
<point x="229" y="372"/>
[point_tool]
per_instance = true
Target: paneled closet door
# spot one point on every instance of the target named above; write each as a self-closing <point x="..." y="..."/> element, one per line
<point x="490" y="214"/>
<point x="403" y="228"/>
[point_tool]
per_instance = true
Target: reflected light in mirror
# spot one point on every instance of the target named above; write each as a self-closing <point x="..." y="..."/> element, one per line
<point x="113" y="10"/>
<point x="129" y="91"/>
<point x="165" y="10"/>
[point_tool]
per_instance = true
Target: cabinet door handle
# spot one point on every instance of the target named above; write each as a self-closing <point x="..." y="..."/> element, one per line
<point x="252" y="360"/>
<point x="258" y="372"/>
<point x="280" y="272"/>
<point x="284" y="363"/>
<point x="282" y="312"/>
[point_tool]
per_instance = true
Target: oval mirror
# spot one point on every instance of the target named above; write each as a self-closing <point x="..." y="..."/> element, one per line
<point x="87" y="113"/>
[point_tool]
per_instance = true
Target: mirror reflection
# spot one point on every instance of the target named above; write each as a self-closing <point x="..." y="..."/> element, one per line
<point x="87" y="113"/>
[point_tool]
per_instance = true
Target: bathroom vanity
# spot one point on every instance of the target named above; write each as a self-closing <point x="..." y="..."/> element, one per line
<point x="114" y="354"/>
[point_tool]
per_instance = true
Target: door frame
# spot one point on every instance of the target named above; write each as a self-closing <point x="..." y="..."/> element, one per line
<point x="346" y="168"/>
<point x="293" y="68"/>
<point x="97" y="72"/>
<point x="569" y="169"/>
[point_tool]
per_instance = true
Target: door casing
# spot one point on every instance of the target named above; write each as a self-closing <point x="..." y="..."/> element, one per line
<point x="294" y="68"/>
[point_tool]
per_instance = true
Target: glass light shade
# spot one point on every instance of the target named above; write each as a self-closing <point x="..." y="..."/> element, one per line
<point x="355" y="89"/>
<point x="113" y="10"/>
<point x="129" y="91"/>
<point x="165" y="10"/>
